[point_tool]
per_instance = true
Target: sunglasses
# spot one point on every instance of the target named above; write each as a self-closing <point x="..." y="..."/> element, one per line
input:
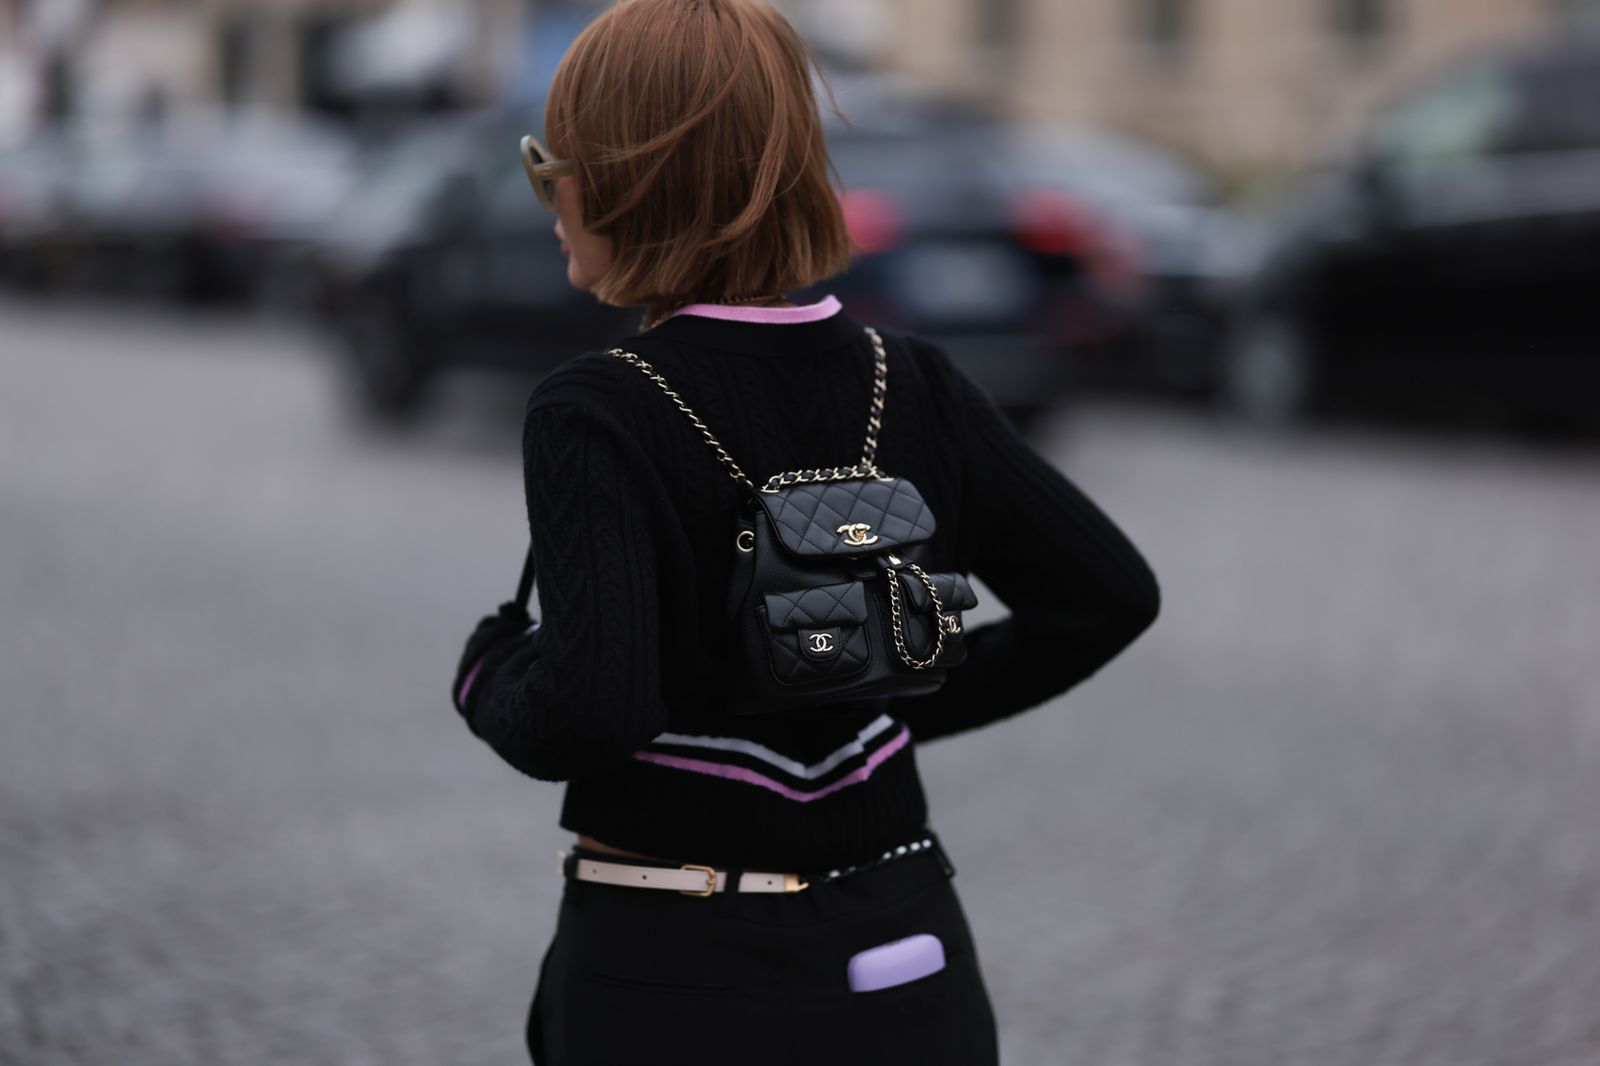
<point x="543" y="170"/>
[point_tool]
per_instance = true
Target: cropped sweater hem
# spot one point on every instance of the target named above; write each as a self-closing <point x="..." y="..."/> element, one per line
<point x="725" y="821"/>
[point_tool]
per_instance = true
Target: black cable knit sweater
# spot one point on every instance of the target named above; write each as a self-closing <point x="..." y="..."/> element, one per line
<point x="632" y="519"/>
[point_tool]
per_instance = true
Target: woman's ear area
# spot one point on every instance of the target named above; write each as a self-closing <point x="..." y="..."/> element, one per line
<point x="589" y="255"/>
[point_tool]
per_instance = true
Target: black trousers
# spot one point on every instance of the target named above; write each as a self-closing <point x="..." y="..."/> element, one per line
<point x="646" y="976"/>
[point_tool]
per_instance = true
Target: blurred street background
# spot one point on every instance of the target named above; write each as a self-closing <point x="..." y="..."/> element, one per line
<point x="1303" y="293"/>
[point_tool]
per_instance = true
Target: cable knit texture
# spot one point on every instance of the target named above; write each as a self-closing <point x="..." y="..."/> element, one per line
<point x="617" y="691"/>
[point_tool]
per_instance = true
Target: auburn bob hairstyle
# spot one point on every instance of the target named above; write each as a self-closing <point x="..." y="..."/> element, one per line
<point x="699" y="152"/>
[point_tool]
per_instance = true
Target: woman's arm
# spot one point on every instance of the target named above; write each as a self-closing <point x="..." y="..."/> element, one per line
<point x="582" y="691"/>
<point x="1079" y="592"/>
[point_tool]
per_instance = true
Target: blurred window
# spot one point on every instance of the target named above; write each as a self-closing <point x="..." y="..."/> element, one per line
<point x="236" y="58"/>
<point x="1165" y="25"/>
<point x="1459" y="123"/>
<point x="1360" y="21"/>
<point x="1557" y="109"/>
<point x="998" y="24"/>
<point x="1576" y="7"/>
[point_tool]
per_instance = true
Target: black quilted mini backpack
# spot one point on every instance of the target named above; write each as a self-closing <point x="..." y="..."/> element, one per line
<point x="828" y="603"/>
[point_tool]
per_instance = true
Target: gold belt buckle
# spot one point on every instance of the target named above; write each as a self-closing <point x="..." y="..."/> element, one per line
<point x="711" y="880"/>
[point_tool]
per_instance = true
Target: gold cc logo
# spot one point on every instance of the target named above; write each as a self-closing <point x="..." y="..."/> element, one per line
<point x="822" y="643"/>
<point x="855" y="534"/>
<point x="950" y="623"/>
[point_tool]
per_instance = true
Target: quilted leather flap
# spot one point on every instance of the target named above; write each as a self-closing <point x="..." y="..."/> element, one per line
<point x="848" y="517"/>
<point x="955" y="592"/>
<point x="844" y="604"/>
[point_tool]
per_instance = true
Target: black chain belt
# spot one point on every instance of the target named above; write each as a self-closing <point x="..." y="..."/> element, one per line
<point x="693" y="879"/>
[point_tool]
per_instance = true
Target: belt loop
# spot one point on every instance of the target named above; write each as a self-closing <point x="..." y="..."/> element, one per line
<point x="730" y="891"/>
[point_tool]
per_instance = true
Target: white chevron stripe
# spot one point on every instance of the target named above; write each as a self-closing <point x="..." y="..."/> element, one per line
<point x="783" y="762"/>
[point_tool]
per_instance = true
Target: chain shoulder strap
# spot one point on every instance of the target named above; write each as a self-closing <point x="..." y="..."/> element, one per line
<point x="711" y="439"/>
<point x="867" y="467"/>
<point x="942" y="622"/>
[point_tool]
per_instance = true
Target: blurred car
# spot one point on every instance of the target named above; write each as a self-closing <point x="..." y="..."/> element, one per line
<point x="1455" y="255"/>
<point x="1157" y="244"/>
<point x="942" y="252"/>
<point x="263" y="192"/>
<point x="1040" y="256"/>
<point x="446" y="258"/>
<point x="1018" y="251"/>
<point x="32" y="173"/>
<point x="202" y="204"/>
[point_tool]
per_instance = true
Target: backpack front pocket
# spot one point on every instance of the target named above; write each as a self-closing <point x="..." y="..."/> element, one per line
<point x="817" y="634"/>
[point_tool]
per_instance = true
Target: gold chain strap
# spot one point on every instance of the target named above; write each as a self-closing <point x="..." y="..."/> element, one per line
<point x="716" y="445"/>
<point x="900" y="624"/>
<point x="865" y="468"/>
<point x="880" y="389"/>
<point x="827" y="473"/>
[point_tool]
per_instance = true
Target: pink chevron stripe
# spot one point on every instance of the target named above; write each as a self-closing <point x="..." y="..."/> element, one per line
<point x="750" y="777"/>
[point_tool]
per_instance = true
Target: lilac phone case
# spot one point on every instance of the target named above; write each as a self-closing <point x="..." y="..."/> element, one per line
<point x="896" y="962"/>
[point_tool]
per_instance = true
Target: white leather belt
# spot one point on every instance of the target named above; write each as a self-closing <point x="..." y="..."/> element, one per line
<point x="689" y="879"/>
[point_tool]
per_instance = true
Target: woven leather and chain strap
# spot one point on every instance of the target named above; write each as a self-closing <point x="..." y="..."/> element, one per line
<point x="864" y="468"/>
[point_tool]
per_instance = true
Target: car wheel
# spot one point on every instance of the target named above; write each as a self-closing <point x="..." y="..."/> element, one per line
<point x="386" y="375"/>
<point x="1267" y="373"/>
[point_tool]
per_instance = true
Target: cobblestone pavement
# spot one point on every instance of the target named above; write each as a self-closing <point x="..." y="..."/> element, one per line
<point x="1338" y="807"/>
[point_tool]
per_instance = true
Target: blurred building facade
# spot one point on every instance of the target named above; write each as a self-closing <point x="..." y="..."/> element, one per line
<point x="115" y="59"/>
<point x="1240" y="85"/>
<point x="1244" y="85"/>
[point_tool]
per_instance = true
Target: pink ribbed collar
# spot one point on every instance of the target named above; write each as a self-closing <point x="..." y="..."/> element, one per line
<point x="772" y="316"/>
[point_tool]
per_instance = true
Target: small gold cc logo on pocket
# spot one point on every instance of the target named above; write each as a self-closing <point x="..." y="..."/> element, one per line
<point x="822" y="643"/>
<point x="855" y="534"/>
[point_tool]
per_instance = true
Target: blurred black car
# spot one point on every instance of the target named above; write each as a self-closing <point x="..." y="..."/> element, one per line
<point x="1041" y="256"/>
<point x="1456" y="256"/>
<point x="1018" y="251"/>
<point x="444" y="257"/>
<point x="944" y="250"/>
<point x="1164" y="257"/>
<point x="262" y="194"/>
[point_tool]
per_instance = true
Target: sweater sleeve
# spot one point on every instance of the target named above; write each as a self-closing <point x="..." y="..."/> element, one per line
<point x="1077" y="589"/>
<point x="581" y="692"/>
